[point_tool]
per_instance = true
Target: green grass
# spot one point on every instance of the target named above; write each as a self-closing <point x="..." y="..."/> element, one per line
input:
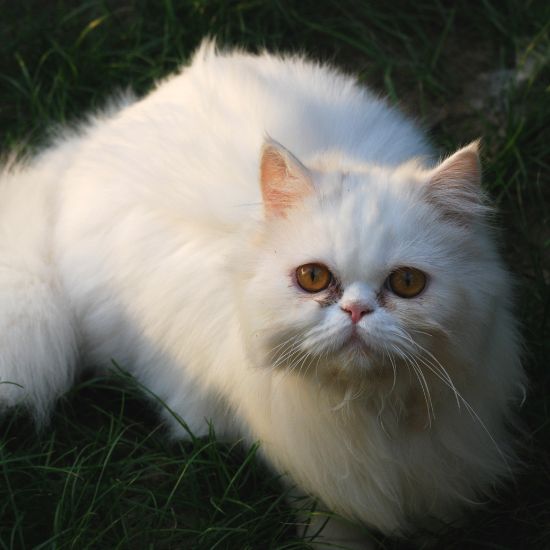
<point x="104" y="475"/>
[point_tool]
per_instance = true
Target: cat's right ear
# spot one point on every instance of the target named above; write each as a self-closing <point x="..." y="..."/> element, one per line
<point x="284" y="179"/>
<point x="455" y="186"/>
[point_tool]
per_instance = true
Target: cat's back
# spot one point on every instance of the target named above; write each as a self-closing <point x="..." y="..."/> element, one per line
<point x="193" y="144"/>
<point x="187" y="154"/>
<point x="308" y="106"/>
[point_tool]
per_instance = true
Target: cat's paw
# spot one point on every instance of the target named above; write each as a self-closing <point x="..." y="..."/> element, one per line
<point x="332" y="533"/>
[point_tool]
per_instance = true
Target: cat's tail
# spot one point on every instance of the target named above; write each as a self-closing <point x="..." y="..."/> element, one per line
<point x="37" y="334"/>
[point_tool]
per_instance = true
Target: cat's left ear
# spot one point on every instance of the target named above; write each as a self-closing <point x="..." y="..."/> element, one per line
<point x="455" y="185"/>
<point x="284" y="180"/>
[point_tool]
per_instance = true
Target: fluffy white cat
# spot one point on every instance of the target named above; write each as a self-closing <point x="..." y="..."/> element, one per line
<point x="266" y="245"/>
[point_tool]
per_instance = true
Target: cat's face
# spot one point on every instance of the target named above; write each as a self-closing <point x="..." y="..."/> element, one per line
<point x="361" y="271"/>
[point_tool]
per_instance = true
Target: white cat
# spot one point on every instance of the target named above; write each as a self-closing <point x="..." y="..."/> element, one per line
<point x="348" y="309"/>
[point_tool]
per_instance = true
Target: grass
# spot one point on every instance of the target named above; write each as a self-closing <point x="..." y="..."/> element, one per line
<point x="104" y="475"/>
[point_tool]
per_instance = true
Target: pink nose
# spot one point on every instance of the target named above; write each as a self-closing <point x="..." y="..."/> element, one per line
<point x="356" y="310"/>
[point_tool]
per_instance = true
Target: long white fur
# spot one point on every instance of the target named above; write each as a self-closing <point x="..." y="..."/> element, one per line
<point x="142" y="239"/>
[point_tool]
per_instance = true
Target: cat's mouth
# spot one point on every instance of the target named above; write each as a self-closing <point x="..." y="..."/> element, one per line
<point x="355" y="356"/>
<point x="356" y="342"/>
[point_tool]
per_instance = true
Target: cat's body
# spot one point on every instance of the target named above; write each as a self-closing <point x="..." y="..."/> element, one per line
<point x="148" y="239"/>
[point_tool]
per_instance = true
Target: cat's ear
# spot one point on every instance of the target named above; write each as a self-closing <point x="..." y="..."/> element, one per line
<point x="284" y="180"/>
<point x="455" y="185"/>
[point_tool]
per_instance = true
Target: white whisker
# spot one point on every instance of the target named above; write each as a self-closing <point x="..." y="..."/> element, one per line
<point x="435" y="369"/>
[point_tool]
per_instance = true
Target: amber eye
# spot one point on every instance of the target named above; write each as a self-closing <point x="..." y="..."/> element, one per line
<point x="407" y="282"/>
<point x="313" y="277"/>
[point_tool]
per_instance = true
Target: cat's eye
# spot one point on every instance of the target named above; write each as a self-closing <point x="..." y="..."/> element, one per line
<point x="313" y="277"/>
<point x="406" y="282"/>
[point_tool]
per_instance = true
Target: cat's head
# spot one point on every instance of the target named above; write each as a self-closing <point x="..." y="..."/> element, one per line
<point x="358" y="270"/>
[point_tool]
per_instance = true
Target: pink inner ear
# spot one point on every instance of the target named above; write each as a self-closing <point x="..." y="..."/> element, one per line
<point x="273" y="166"/>
<point x="284" y="179"/>
<point x="455" y="185"/>
<point x="462" y="168"/>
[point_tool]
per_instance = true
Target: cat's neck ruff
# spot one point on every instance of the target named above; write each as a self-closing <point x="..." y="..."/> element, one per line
<point x="354" y="451"/>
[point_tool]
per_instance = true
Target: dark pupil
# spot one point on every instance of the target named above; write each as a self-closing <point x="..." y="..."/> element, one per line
<point x="408" y="278"/>
<point x="313" y="273"/>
